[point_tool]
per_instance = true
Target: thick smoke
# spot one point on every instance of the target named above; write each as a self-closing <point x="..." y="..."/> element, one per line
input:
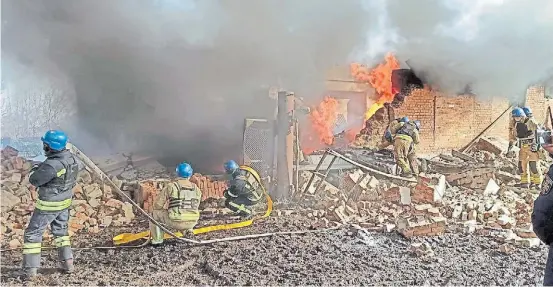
<point x="497" y="47"/>
<point x="178" y="78"/>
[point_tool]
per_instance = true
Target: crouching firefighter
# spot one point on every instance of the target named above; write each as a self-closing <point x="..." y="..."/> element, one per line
<point x="523" y="131"/>
<point x="542" y="217"/>
<point x="176" y="206"/>
<point x="388" y="138"/>
<point x="405" y="139"/>
<point x="55" y="179"/>
<point x="245" y="189"/>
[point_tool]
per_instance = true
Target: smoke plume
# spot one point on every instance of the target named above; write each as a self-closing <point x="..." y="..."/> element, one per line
<point x="498" y="47"/>
<point x="177" y="78"/>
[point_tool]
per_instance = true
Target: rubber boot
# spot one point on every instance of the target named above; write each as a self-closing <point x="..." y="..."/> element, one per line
<point x="156" y="235"/>
<point x="31" y="262"/>
<point x="67" y="266"/>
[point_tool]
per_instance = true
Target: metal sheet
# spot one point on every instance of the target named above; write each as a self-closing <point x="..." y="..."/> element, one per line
<point x="257" y="145"/>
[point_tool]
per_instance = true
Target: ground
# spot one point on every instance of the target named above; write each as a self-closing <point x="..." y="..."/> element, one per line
<point x="337" y="257"/>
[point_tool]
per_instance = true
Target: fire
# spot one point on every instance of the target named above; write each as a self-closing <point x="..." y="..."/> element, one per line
<point x="323" y="119"/>
<point x="380" y="78"/>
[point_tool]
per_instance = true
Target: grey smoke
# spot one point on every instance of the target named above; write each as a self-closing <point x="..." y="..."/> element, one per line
<point x="169" y="78"/>
<point x="499" y="51"/>
<point x="177" y="78"/>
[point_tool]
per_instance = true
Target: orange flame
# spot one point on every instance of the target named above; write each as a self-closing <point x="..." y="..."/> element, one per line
<point x="380" y="78"/>
<point x="323" y="119"/>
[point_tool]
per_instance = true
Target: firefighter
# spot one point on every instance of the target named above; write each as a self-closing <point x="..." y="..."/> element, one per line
<point x="55" y="179"/>
<point x="405" y="139"/>
<point x="528" y="112"/>
<point x="542" y="217"/>
<point x="523" y="131"/>
<point x="245" y="189"/>
<point x="388" y="138"/>
<point x="176" y="206"/>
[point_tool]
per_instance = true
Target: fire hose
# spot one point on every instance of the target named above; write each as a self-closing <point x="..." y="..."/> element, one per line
<point x="88" y="162"/>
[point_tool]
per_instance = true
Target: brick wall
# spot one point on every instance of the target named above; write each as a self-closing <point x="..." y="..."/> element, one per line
<point x="420" y="105"/>
<point x="451" y="122"/>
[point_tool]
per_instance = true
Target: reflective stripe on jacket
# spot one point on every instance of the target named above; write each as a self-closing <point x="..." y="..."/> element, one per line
<point x="60" y="188"/>
<point x="251" y="182"/>
<point x="184" y="201"/>
<point x="52" y="205"/>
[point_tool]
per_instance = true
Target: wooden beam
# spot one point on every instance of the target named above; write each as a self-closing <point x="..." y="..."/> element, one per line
<point x="465" y="148"/>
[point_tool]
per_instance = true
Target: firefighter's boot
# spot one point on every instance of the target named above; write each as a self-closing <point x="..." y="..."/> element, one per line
<point x="67" y="266"/>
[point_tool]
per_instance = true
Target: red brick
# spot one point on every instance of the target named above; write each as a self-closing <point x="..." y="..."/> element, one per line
<point x="422" y="230"/>
<point x="451" y="122"/>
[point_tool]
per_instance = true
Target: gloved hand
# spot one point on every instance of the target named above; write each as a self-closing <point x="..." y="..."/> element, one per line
<point x="511" y="144"/>
<point x="535" y="147"/>
<point x="226" y="194"/>
<point x="35" y="166"/>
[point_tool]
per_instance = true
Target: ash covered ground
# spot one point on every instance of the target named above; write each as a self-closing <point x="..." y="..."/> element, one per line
<point x="338" y="257"/>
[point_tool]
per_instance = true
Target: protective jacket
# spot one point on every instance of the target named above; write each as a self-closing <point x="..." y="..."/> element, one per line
<point x="393" y="127"/>
<point x="183" y="197"/>
<point x="245" y="184"/>
<point x="55" y="179"/>
<point x="408" y="131"/>
<point x="542" y="216"/>
<point x="524" y="131"/>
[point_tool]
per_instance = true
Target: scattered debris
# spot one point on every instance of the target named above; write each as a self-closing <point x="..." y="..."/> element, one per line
<point x="93" y="202"/>
<point x="421" y="249"/>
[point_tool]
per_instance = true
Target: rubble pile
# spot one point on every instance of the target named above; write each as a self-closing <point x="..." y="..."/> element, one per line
<point x="94" y="204"/>
<point x="495" y="208"/>
<point x="376" y="204"/>
<point x="468" y="193"/>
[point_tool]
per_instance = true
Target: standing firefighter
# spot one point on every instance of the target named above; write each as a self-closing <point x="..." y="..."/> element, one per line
<point x="524" y="130"/>
<point x="388" y="138"/>
<point x="177" y="204"/>
<point x="405" y="139"/>
<point x="55" y="179"/>
<point x="245" y="189"/>
<point x="542" y="216"/>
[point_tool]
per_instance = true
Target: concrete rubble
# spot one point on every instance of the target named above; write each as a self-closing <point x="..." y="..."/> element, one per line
<point x="472" y="194"/>
<point x="94" y="206"/>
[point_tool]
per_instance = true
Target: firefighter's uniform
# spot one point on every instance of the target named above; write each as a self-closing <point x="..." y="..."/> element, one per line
<point x="245" y="191"/>
<point x="388" y="138"/>
<point x="542" y="221"/>
<point x="176" y="206"/>
<point x="405" y="140"/>
<point x="55" y="179"/>
<point x="524" y="132"/>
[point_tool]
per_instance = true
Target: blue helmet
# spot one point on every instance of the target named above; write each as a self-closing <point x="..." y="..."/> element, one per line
<point x="518" y="112"/>
<point x="231" y="166"/>
<point x="403" y="120"/>
<point x="55" y="140"/>
<point x="184" y="170"/>
<point x="527" y="111"/>
<point x="418" y="124"/>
